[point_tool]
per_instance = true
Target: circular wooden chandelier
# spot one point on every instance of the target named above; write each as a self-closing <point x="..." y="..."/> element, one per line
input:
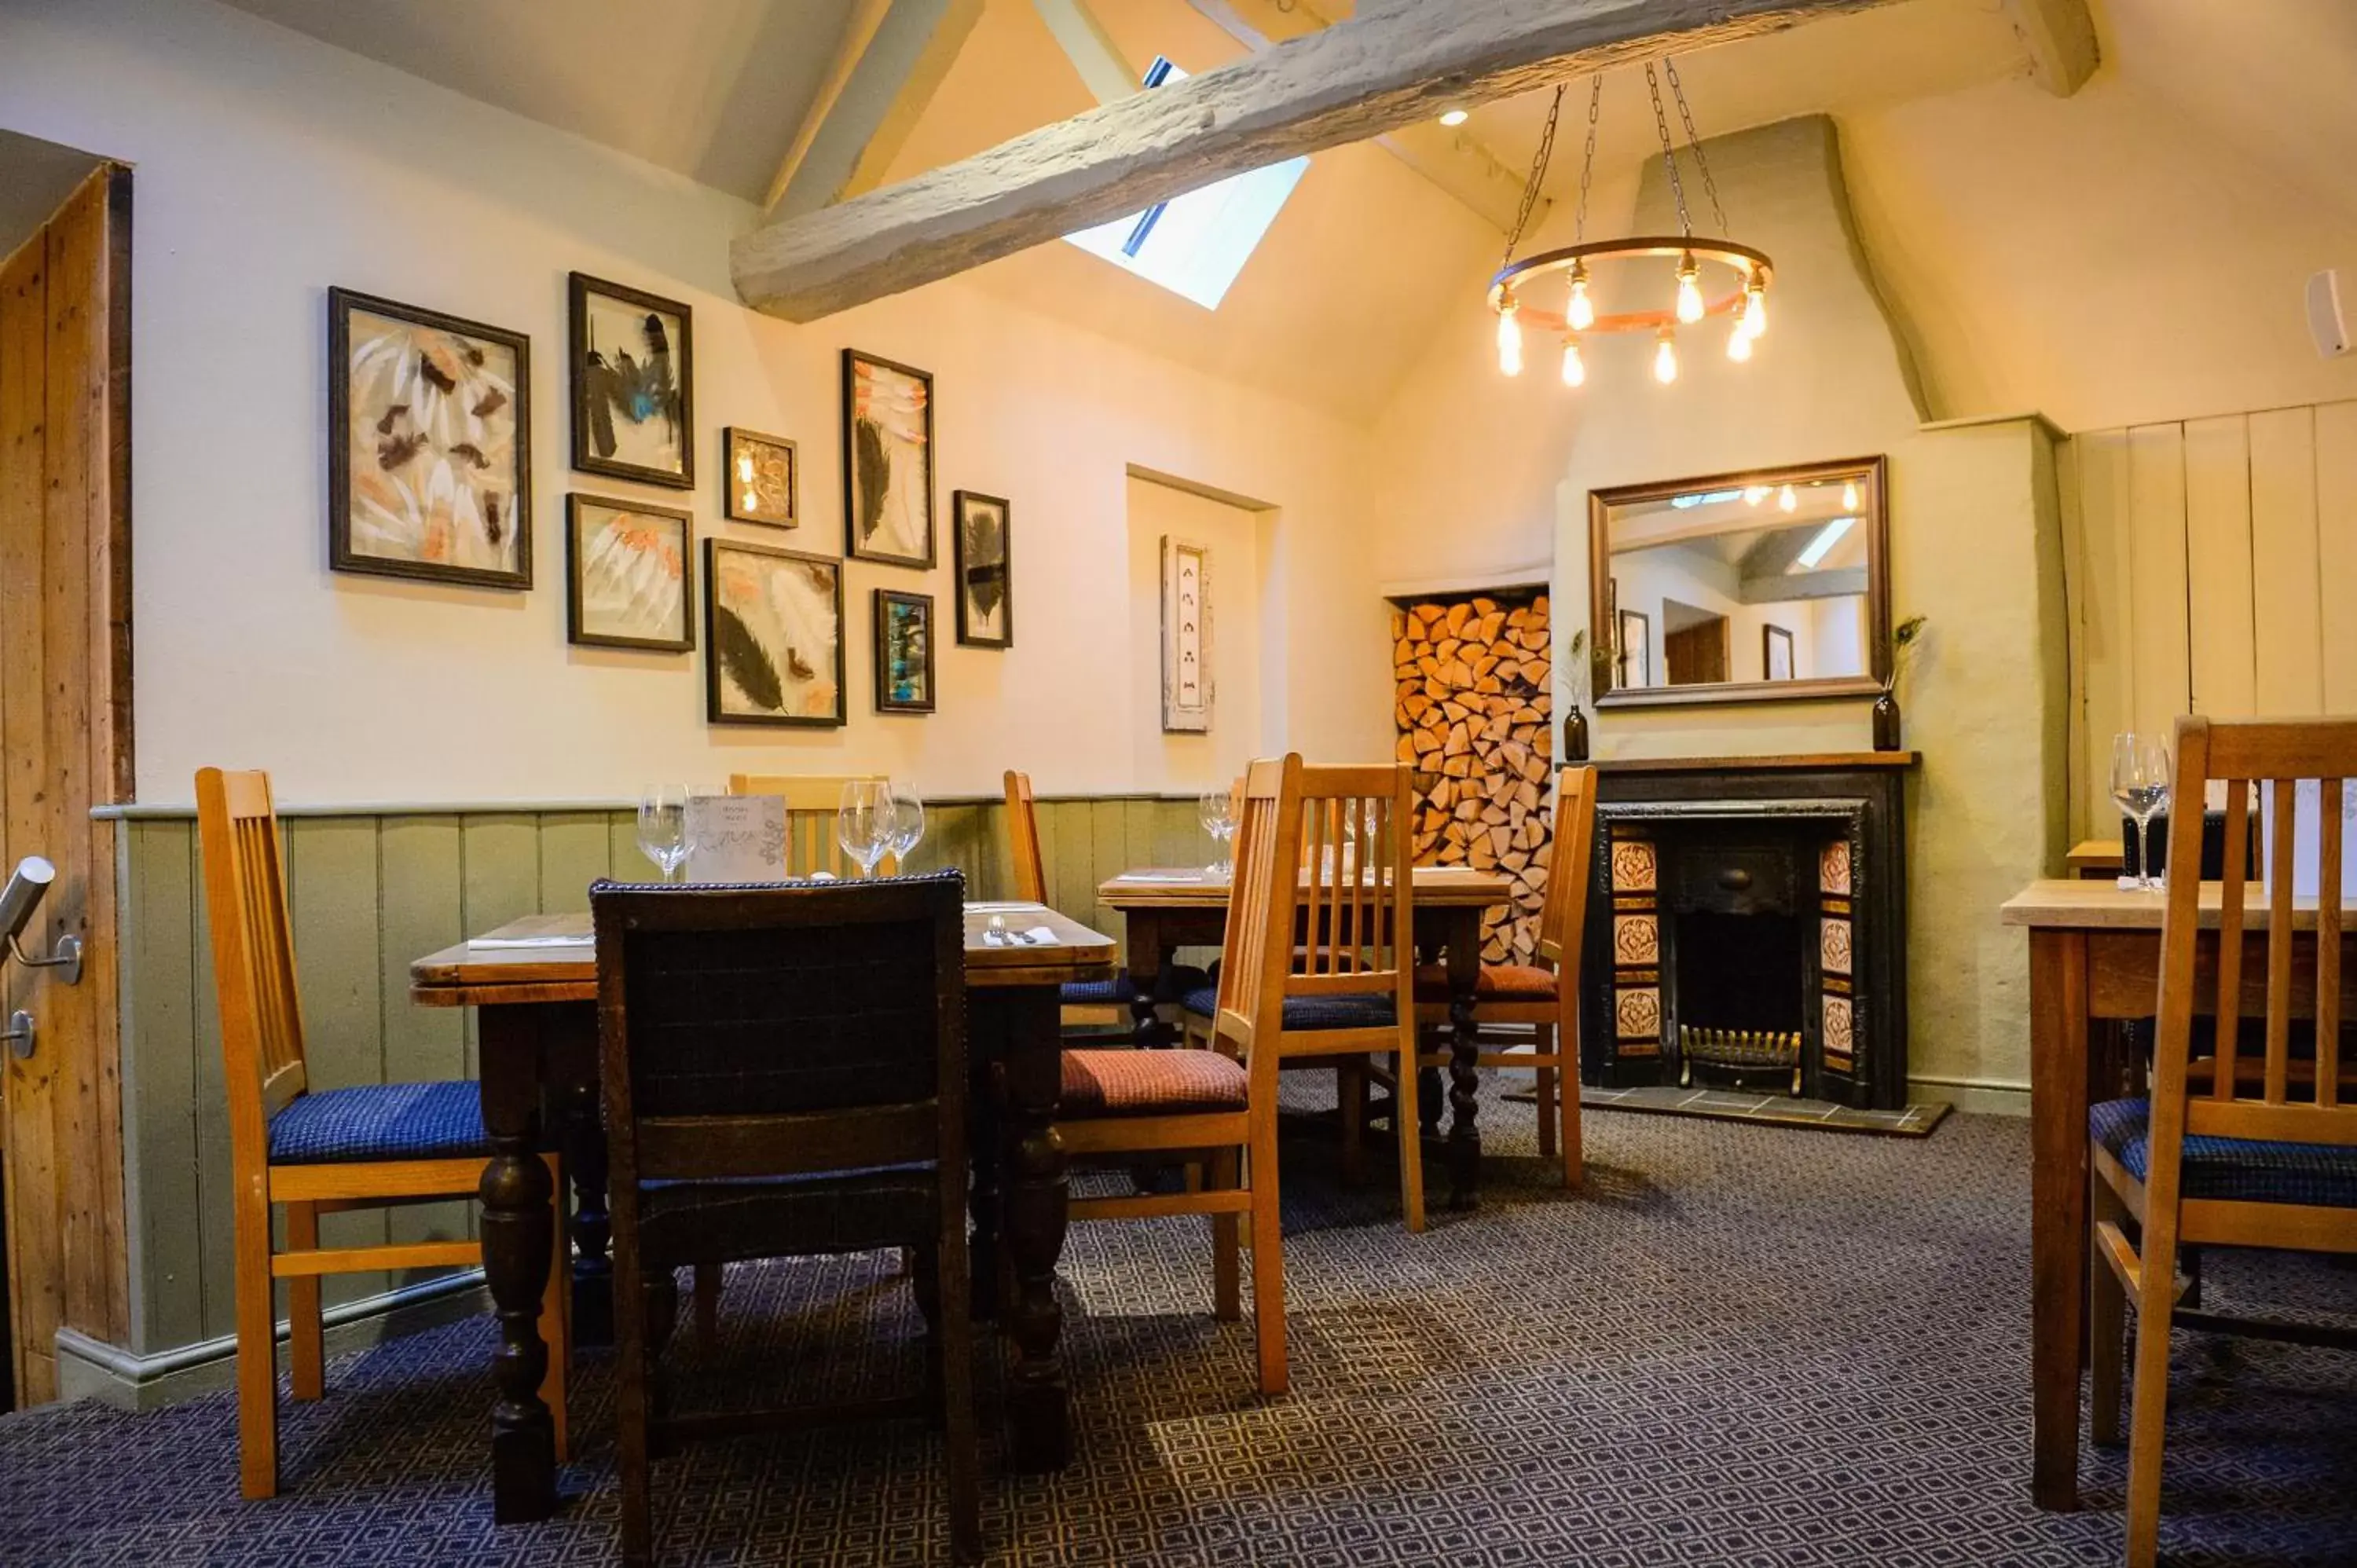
<point x="1709" y="277"/>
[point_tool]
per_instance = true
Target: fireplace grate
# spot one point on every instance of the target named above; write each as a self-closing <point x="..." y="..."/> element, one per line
<point x="1739" y="1050"/>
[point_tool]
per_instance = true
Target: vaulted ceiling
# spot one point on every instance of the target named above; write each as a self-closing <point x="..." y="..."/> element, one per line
<point x="1344" y="295"/>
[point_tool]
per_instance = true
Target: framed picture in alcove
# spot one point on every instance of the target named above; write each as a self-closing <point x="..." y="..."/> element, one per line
<point x="1636" y="666"/>
<point x="429" y="445"/>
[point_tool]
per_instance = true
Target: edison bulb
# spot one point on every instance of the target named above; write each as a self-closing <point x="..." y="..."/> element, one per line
<point x="1509" y="339"/>
<point x="1738" y="344"/>
<point x="1849" y="496"/>
<point x="1665" y="359"/>
<point x="1690" y="305"/>
<point x="1581" y="313"/>
<point x="1573" y="369"/>
<point x="1453" y="118"/>
<point x="1755" y="308"/>
<point x="1786" y="500"/>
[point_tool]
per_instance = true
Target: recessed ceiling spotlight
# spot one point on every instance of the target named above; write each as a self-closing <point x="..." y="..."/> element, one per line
<point x="1454" y="116"/>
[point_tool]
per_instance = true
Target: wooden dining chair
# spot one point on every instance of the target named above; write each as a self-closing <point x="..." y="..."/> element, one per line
<point x="1206" y="1107"/>
<point x="1543" y="995"/>
<point x="2226" y="1153"/>
<point x="1090" y="1005"/>
<point x="812" y="802"/>
<point x="314" y="1152"/>
<point x="1348" y="984"/>
<point x="784" y="1076"/>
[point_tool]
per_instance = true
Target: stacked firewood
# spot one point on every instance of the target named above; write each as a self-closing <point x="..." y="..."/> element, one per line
<point x="1474" y="713"/>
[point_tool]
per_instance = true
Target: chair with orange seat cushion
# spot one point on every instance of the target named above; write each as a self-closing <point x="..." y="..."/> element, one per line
<point x="1544" y="995"/>
<point x="1215" y="1109"/>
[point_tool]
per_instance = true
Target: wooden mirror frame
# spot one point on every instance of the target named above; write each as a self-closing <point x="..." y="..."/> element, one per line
<point x="1869" y="470"/>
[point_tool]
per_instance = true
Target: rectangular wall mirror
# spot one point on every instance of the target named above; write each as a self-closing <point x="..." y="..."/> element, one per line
<point x="1762" y="586"/>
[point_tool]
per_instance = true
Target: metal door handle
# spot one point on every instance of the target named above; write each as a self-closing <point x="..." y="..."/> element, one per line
<point x="19" y="1035"/>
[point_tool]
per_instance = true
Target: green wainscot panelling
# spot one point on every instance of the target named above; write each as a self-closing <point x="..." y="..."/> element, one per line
<point x="371" y="890"/>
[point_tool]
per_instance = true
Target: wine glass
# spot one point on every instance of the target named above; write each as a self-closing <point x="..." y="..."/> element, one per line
<point x="1217" y="812"/>
<point x="663" y="826"/>
<point x="863" y="822"/>
<point x="908" y="820"/>
<point x="2140" y="785"/>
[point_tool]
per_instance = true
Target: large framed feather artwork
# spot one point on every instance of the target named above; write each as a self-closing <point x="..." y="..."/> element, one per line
<point x="633" y="385"/>
<point x="888" y="461"/>
<point x="629" y="574"/>
<point x="773" y="636"/>
<point x="429" y="445"/>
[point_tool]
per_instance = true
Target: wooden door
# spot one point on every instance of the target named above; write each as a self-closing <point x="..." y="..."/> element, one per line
<point x="1696" y="655"/>
<point x="65" y="731"/>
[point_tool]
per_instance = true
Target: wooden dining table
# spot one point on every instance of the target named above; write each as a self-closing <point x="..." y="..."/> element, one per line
<point x="1164" y="908"/>
<point x="2095" y="956"/>
<point x="534" y="984"/>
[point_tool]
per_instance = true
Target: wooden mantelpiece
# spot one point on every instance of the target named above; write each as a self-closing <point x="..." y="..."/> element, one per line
<point x="1786" y="762"/>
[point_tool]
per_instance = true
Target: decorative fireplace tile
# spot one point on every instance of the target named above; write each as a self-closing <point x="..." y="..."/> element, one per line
<point x="1638" y="1013"/>
<point x="1632" y="866"/>
<point x="1636" y="939"/>
<point x="1833" y="946"/>
<point x="1833" y="868"/>
<point x="1837" y="1037"/>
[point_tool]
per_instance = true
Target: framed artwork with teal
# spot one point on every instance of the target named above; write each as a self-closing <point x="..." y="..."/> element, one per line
<point x="904" y="652"/>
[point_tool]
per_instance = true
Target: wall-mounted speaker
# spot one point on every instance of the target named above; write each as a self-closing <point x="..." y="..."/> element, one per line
<point x="2325" y="322"/>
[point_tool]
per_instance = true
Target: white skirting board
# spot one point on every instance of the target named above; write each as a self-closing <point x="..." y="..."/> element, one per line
<point x="127" y="1379"/>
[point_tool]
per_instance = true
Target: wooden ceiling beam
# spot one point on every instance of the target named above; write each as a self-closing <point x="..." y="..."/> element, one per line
<point x="1450" y="158"/>
<point x="1344" y="83"/>
<point x="892" y="58"/>
<point x="1090" y="49"/>
<point x="2061" y="37"/>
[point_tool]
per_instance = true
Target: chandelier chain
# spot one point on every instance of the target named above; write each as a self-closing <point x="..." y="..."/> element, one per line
<point x="1693" y="142"/>
<point x="1538" y="175"/>
<point x="1669" y="152"/>
<point x="1588" y="158"/>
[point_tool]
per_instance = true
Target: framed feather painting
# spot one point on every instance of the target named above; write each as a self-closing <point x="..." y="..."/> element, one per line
<point x="888" y="461"/>
<point x="629" y="572"/>
<point x="633" y="385"/>
<point x="986" y="606"/>
<point x="429" y="445"/>
<point x="773" y="643"/>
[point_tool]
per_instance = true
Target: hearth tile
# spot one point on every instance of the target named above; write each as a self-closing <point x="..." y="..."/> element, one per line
<point x="1636" y="939"/>
<point x="1833" y="946"/>
<point x="1832" y="867"/>
<point x="1637" y="1012"/>
<point x="1632" y="866"/>
<point x="1837" y="1026"/>
<point x="1916" y="1121"/>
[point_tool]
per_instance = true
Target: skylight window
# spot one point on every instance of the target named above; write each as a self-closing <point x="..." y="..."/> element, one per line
<point x="1195" y="244"/>
<point x="1822" y="545"/>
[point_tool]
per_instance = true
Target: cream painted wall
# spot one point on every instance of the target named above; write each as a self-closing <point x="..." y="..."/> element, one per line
<point x="270" y="167"/>
<point x="1199" y="762"/>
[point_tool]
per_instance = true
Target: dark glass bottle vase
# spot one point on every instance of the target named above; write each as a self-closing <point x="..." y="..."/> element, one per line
<point x="1885" y="723"/>
<point x="1574" y="736"/>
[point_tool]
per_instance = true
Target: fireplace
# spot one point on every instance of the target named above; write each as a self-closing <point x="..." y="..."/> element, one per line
<point x="1747" y="928"/>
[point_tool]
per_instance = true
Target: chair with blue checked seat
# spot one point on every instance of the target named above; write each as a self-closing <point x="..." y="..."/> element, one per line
<point x="2227" y="1151"/>
<point x="1349" y="988"/>
<point x="1095" y="1006"/>
<point x="319" y="1152"/>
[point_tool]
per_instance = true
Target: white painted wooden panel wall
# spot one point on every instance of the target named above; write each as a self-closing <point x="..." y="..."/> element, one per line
<point x="2211" y="566"/>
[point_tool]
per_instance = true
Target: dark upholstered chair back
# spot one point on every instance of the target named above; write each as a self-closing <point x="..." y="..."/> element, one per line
<point x="781" y="1030"/>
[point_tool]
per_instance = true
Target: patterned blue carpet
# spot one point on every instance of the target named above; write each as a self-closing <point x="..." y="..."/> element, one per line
<point x="1741" y="1347"/>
